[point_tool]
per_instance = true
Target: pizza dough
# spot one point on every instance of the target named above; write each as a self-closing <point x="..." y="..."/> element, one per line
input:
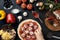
<point x="28" y="30"/>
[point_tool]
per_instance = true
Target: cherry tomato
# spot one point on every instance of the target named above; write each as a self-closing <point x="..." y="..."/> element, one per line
<point x="23" y="5"/>
<point x="24" y="1"/>
<point x="18" y="1"/>
<point x="29" y="6"/>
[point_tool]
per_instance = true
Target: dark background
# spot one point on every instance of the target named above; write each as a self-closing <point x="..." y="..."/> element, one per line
<point x="42" y="16"/>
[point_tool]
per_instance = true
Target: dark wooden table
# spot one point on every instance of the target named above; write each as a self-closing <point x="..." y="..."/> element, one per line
<point x="42" y="16"/>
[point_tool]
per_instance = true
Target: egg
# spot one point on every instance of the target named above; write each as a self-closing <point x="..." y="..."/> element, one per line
<point x="20" y="18"/>
<point x="25" y="14"/>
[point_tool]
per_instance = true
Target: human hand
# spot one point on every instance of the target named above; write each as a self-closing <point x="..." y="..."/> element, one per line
<point x="39" y="34"/>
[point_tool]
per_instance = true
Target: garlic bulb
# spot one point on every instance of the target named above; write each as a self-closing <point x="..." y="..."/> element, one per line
<point x="25" y="14"/>
<point x="20" y="18"/>
<point x="51" y="5"/>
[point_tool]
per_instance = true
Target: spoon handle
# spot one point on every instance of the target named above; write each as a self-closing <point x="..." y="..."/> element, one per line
<point x="40" y="20"/>
<point x="56" y="37"/>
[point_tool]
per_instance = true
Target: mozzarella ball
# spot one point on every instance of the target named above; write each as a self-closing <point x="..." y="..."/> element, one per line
<point x="25" y="14"/>
<point x="26" y="31"/>
<point x="31" y="33"/>
<point x="31" y="24"/>
<point x="30" y="28"/>
<point x="20" y="18"/>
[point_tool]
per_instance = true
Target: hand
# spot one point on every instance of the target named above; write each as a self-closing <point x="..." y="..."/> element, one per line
<point x="39" y="34"/>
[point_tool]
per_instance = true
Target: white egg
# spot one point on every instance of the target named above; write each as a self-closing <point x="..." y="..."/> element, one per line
<point x="20" y="18"/>
<point x="25" y="14"/>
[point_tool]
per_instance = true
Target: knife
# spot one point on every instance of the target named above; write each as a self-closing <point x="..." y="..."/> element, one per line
<point x="50" y="35"/>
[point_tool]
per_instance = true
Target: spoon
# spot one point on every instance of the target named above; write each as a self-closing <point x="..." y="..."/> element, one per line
<point x="50" y="35"/>
<point x="15" y="11"/>
<point x="36" y="15"/>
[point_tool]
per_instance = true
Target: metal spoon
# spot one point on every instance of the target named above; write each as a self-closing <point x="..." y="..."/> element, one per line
<point x="36" y="15"/>
<point x="15" y="11"/>
<point x="50" y="35"/>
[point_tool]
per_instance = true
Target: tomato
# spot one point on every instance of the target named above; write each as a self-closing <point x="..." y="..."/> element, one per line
<point x="29" y="6"/>
<point x="23" y="5"/>
<point x="24" y="1"/>
<point x="18" y="1"/>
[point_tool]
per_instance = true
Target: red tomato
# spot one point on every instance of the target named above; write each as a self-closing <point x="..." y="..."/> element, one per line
<point x="29" y="6"/>
<point x="18" y="1"/>
<point x="24" y="1"/>
<point x="23" y="5"/>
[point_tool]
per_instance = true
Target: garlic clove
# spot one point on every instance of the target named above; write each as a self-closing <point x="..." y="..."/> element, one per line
<point x="20" y="18"/>
<point x="51" y="5"/>
<point x="40" y="8"/>
<point x="25" y="14"/>
<point x="37" y="4"/>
